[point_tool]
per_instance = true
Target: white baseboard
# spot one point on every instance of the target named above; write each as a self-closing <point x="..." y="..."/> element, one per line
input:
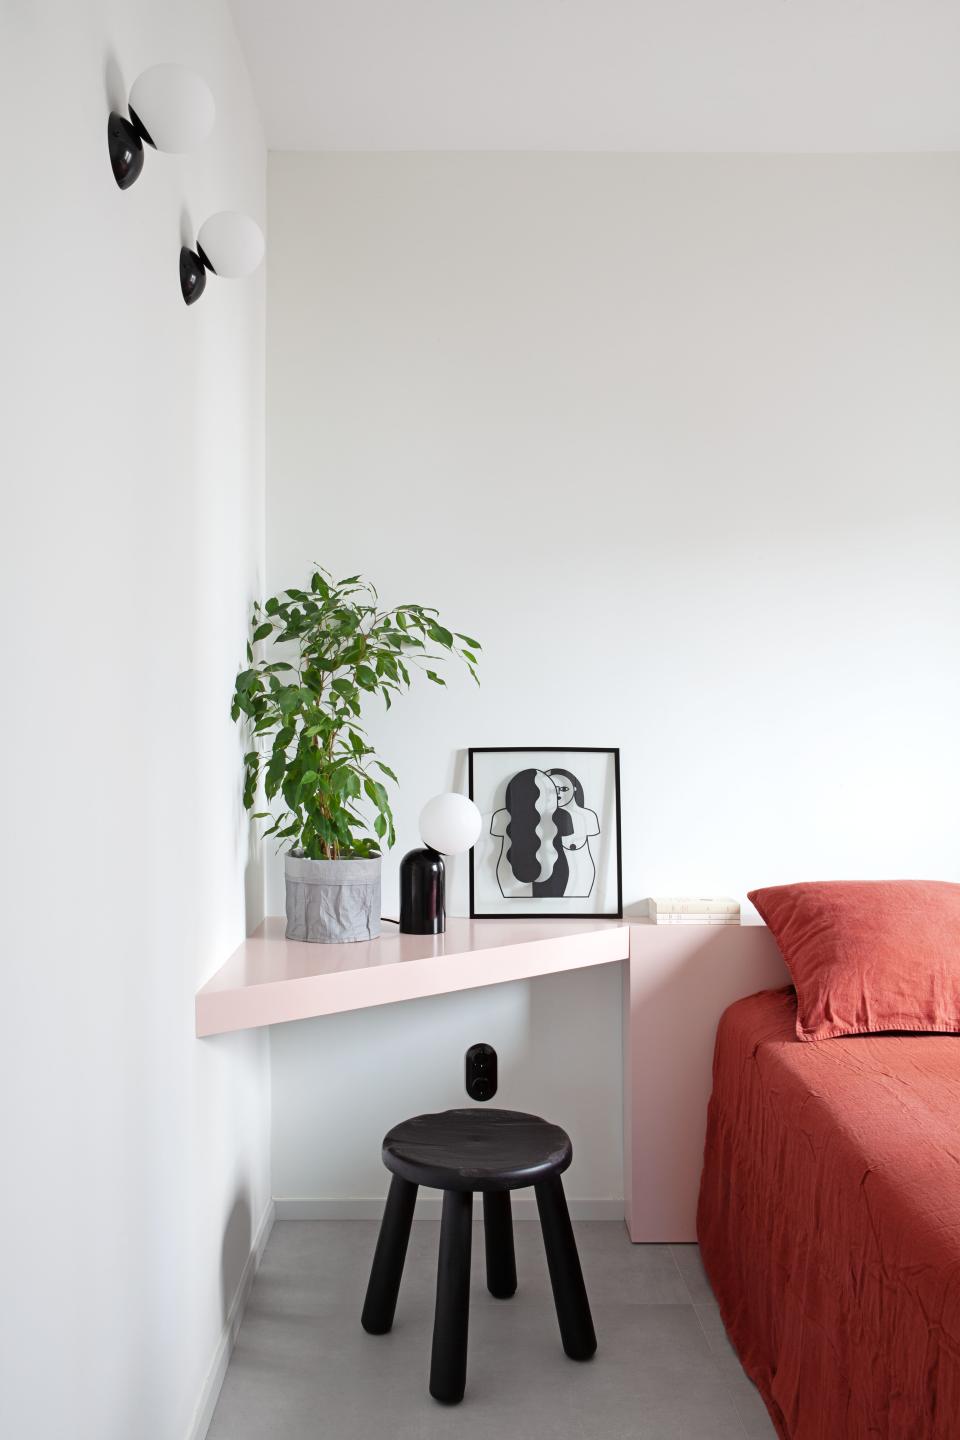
<point x="210" y="1390"/>
<point x="428" y="1208"/>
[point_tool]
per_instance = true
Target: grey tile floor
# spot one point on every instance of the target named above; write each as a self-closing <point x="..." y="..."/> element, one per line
<point x="304" y="1370"/>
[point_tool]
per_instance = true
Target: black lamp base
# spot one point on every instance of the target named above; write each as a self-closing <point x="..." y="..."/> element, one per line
<point x="422" y="899"/>
<point x="126" y="150"/>
<point x="193" y="275"/>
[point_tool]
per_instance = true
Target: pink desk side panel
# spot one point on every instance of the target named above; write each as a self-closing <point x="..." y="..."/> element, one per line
<point x="679" y="981"/>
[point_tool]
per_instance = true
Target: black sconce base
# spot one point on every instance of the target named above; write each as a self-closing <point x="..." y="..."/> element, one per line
<point x="193" y="276"/>
<point x="422" y="900"/>
<point x="126" y="150"/>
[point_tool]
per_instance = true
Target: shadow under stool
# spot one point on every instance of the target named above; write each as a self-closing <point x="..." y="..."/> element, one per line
<point x="491" y="1152"/>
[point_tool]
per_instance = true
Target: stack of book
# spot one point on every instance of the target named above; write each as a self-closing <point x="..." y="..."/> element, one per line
<point x="695" y="910"/>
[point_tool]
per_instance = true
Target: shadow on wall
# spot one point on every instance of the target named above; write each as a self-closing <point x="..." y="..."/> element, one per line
<point x="235" y="1250"/>
<point x="254" y="891"/>
<point x="458" y="866"/>
<point x="113" y="84"/>
<point x="188" y="234"/>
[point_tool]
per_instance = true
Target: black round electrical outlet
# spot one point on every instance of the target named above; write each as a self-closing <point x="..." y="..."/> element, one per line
<point x="481" y="1072"/>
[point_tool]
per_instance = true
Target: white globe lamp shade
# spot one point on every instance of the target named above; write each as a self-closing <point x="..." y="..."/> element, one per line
<point x="231" y="244"/>
<point x="450" y="823"/>
<point x="174" y="107"/>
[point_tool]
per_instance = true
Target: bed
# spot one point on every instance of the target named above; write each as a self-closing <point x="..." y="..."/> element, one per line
<point x="829" y="1223"/>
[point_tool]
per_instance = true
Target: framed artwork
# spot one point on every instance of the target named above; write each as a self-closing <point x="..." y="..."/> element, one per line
<point x="550" y="843"/>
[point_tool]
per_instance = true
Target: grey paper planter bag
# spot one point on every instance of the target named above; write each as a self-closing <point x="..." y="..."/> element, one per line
<point x="329" y="901"/>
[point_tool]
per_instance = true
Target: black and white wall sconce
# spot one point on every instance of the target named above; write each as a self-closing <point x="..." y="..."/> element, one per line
<point x="171" y="108"/>
<point x="229" y="244"/>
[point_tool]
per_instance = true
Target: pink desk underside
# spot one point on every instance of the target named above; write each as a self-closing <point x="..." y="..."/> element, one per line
<point x="677" y="983"/>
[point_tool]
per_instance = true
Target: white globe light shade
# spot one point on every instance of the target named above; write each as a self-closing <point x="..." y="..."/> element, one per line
<point x="175" y="107"/>
<point x="232" y="242"/>
<point x="450" y="823"/>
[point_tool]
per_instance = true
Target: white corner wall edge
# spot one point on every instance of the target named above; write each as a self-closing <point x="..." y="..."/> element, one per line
<point x="428" y="1208"/>
<point x="213" y="1383"/>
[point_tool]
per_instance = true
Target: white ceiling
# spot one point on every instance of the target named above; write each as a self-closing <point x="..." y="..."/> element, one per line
<point x="773" y="75"/>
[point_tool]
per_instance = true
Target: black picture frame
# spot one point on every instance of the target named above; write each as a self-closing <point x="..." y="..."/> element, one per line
<point x="543" y="910"/>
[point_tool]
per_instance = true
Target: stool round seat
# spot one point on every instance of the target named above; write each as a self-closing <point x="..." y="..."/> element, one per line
<point x="477" y="1150"/>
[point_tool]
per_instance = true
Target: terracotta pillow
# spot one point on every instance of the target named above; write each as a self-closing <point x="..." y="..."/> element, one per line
<point x="868" y="955"/>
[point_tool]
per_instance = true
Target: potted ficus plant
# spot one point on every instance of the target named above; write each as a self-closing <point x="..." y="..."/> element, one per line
<point x="328" y="648"/>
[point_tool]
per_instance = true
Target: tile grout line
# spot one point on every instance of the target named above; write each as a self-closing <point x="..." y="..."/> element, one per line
<point x="712" y="1353"/>
<point x="719" y="1369"/>
<point x="683" y="1278"/>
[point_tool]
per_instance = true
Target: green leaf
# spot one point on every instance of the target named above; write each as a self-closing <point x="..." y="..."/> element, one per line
<point x="366" y="677"/>
<point x="440" y="635"/>
<point x="376" y="793"/>
<point x="282" y="740"/>
<point x="276" y="768"/>
<point x="272" y="606"/>
<point x="432" y="675"/>
<point x="386" y="770"/>
<point x="262" y="631"/>
<point x="380" y="825"/>
<point x="474" y="644"/>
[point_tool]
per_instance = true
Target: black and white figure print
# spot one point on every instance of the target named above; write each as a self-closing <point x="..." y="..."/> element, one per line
<point x="551" y="837"/>
<point x="545" y="830"/>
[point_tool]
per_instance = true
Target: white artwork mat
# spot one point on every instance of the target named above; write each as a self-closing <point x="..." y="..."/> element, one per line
<point x="550" y="840"/>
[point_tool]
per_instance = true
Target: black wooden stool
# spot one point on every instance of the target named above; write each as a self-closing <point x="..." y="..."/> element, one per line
<point x="458" y="1152"/>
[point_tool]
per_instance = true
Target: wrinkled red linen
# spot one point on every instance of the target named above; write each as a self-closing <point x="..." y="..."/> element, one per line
<point x="829" y="1223"/>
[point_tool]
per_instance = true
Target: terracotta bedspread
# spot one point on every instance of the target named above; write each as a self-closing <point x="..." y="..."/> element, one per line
<point x="829" y="1223"/>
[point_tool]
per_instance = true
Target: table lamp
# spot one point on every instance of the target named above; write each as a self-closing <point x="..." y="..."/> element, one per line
<point x="449" y="825"/>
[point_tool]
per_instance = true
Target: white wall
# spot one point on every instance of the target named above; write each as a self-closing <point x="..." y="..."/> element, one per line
<point x="135" y="1158"/>
<point x="677" y="438"/>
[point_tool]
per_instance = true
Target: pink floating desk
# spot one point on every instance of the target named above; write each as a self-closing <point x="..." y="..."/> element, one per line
<point x="271" y="979"/>
<point x="678" y="979"/>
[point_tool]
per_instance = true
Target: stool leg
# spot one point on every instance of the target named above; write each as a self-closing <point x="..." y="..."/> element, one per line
<point x="448" y="1363"/>
<point x="566" y="1277"/>
<point x="384" y="1283"/>
<point x="498" y="1235"/>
